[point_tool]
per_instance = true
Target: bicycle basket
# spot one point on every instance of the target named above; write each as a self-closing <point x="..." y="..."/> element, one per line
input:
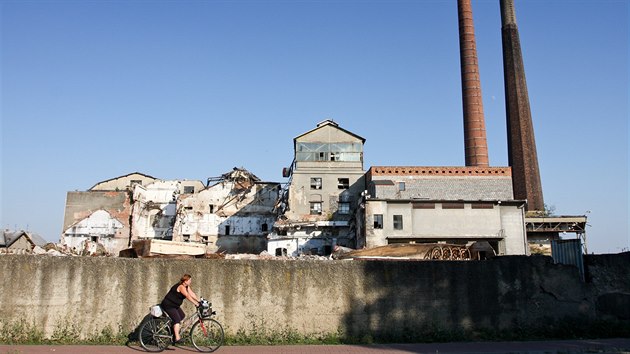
<point x="205" y="309"/>
<point x="156" y="311"/>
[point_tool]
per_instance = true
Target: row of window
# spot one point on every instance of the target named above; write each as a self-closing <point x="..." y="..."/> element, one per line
<point x="397" y="221"/>
<point x="342" y="183"/>
<point x="316" y="208"/>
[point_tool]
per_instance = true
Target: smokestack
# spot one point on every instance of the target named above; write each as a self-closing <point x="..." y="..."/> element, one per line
<point x="475" y="144"/>
<point x="522" y="154"/>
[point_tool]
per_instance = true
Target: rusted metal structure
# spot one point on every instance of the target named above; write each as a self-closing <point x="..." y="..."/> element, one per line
<point x="522" y="154"/>
<point x="475" y="143"/>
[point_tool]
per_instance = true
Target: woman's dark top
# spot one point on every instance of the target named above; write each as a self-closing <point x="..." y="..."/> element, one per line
<point x="173" y="299"/>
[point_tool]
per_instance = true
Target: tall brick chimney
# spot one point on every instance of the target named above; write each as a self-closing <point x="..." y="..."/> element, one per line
<point x="522" y="154"/>
<point x="475" y="144"/>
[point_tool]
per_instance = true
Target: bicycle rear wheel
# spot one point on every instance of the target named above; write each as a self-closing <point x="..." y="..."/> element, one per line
<point x="155" y="334"/>
<point x="207" y="335"/>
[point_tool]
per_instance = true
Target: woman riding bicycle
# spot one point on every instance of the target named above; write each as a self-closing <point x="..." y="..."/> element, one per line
<point x="173" y="301"/>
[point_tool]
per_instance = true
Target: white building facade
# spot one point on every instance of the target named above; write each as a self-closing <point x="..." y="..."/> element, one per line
<point x="454" y="205"/>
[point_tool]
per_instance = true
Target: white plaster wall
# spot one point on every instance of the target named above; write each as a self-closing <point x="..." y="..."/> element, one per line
<point x="99" y="223"/>
<point x="244" y="213"/>
<point x="513" y="221"/>
<point x="504" y="222"/>
<point x="154" y="200"/>
<point x="465" y="222"/>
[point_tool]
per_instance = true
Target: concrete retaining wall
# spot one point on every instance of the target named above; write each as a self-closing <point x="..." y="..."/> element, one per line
<point x="388" y="298"/>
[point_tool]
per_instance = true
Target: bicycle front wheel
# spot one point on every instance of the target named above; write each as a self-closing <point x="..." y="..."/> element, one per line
<point x="207" y="335"/>
<point x="155" y="335"/>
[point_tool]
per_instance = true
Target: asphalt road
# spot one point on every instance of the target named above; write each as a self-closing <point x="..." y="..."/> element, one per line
<point x="616" y="345"/>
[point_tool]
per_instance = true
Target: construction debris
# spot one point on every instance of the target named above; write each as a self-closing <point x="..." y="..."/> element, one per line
<point x="161" y="248"/>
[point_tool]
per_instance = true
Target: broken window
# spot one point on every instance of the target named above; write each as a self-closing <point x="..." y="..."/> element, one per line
<point x="378" y="221"/>
<point x="316" y="183"/>
<point x="186" y="237"/>
<point x="280" y="252"/>
<point x="344" y="208"/>
<point x="343" y="183"/>
<point x="398" y="222"/>
<point x="316" y="208"/>
<point x="204" y="239"/>
<point x="322" y="156"/>
<point x="189" y="189"/>
<point x="328" y="152"/>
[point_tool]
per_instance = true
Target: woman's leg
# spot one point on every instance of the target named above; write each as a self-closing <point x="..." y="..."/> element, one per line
<point x="177" y="315"/>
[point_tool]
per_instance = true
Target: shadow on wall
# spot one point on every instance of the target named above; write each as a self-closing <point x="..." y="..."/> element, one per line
<point x="509" y="298"/>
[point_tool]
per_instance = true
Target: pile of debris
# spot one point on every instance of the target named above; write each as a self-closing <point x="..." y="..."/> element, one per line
<point x="88" y="248"/>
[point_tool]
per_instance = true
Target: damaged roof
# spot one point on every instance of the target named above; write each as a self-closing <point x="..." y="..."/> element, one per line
<point x="123" y="176"/>
<point x="8" y="237"/>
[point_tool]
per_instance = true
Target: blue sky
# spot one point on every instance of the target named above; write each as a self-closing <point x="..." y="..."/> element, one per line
<point x="91" y="90"/>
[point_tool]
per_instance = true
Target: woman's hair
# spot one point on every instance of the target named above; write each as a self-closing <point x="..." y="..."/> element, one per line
<point x="184" y="278"/>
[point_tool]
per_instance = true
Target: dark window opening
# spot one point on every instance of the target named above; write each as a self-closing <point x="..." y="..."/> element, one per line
<point x="343" y="183"/>
<point x="227" y="230"/>
<point x="211" y="208"/>
<point x="424" y="205"/>
<point x="189" y="189"/>
<point x="452" y="205"/>
<point x="186" y="238"/>
<point x="281" y="252"/>
<point x="264" y="227"/>
<point x="378" y="221"/>
<point x="482" y="206"/>
<point x="135" y="181"/>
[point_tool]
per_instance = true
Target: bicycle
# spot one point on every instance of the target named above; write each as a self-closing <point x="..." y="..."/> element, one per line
<point x="206" y="333"/>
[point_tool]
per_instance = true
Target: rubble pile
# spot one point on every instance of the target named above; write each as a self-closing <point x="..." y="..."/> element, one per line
<point x="89" y="248"/>
<point x="266" y="256"/>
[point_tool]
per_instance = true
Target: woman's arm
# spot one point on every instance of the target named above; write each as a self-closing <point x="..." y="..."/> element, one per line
<point x="189" y="294"/>
<point x="192" y="293"/>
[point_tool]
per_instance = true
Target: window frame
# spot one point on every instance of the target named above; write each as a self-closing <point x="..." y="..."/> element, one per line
<point x="314" y="183"/>
<point x="343" y="183"/>
<point x="398" y="224"/>
<point x="378" y="221"/>
<point x="315" y="211"/>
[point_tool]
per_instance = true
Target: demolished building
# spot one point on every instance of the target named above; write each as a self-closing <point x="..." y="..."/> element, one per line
<point x="102" y="213"/>
<point x="233" y="215"/>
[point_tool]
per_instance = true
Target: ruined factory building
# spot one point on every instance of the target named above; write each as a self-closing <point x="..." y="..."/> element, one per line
<point x="232" y="215"/>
